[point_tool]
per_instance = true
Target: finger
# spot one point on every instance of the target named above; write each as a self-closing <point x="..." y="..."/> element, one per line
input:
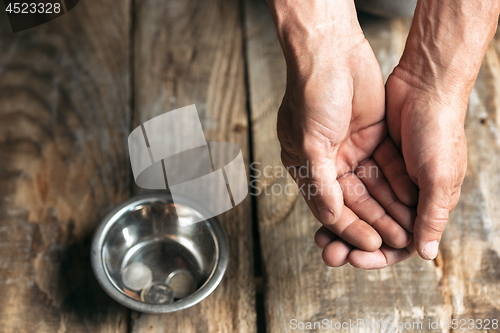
<point x="385" y="256"/>
<point x="323" y="237"/>
<point x="390" y="160"/>
<point x="292" y="164"/>
<point x="321" y="190"/>
<point x="434" y="206"/>
<point x="335" y="250"/>
<point x="381" y="190"/>
<point x="358" y="199"/>
<point x="336" y="253"/>
<point x="320" y="181"/>
<point x="355" y="231"/>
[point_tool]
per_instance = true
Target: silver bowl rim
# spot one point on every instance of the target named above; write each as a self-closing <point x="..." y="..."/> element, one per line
<point x="204" y="291"/>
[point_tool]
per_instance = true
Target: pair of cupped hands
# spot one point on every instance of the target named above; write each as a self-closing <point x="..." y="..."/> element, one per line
<point x="385" y="164"/>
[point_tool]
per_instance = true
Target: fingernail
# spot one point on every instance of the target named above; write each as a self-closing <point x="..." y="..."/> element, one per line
<point x="430" y="249"/>
<point x="325" y="215"/>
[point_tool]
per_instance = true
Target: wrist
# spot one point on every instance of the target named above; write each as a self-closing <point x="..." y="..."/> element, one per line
<point x="447" y="42"/>
<point x="315" y="32"/>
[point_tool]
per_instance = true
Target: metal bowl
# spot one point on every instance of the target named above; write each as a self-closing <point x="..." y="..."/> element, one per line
<point x="149" y="256"/>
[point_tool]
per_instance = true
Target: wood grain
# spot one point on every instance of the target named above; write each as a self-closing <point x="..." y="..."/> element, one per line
<point x="64" y="120"/>
<point x="190" y="52"/>
<point x="461" y="283"/>
<point x="65" y="92"/>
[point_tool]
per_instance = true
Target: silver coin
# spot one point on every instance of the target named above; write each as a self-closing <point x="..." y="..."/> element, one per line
<point x="136" y="276"/>
<point x="158" y="293"/>
<point x="182" y="283"/>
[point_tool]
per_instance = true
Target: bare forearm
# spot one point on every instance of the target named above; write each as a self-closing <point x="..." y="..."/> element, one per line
<point x="447" y="42"/>
<point x="309" y="29"/>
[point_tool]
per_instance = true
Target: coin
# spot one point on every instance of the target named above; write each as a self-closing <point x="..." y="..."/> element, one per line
<point x="182" y="283"/>
<point x="131" y="294"/>
<point x="136" y="276"/>
<point x="157" y="293"/>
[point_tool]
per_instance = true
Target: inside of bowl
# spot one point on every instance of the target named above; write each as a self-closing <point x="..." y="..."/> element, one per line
<point x="153" y="253"/>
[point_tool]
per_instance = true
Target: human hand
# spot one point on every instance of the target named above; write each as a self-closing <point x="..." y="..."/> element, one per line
<point x="429" y="128"/>
<point x="332" y="121"/>
<point x="426" y="103"/>
<point x="427" y="96"/>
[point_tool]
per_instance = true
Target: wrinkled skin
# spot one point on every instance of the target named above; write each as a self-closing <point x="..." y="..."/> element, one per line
<point x="332" y="120"/>
<point x="337" y="119"/>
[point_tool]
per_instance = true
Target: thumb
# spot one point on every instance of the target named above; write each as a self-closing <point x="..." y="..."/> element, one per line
<point x="432" y="215"/>
<point x="321" y="189"/>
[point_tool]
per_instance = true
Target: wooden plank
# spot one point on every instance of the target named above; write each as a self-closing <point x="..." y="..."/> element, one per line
<point x="190" y="52"/>
<point x="299" y="286"/>
<point x="64" y="120"/>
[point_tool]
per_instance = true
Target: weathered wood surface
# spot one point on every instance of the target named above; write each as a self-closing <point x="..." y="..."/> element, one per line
<point x="64" y="120"/>
<point x="65" y="114"/>
<point x="463" y="282"/>
<point x="190" y="52"/>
